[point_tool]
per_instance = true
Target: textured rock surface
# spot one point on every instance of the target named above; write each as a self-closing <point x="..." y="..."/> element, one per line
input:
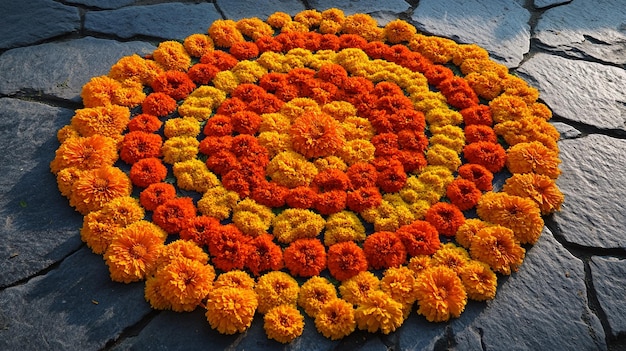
<point x="37" y="227"/>
<point x="594" y="174"/>
<point x="166" y="21"/>
<point x="609" y="282"/>
<point x="502" y="29"/>
<point x="545" y="3"/>
<point x="60" y="70"/>
<point x="566" y="131"/>
<point x="580" y="91"/>
<point x="236" y="10"/>
<point x="586" y="28"/>
<point x="74" y="307"/>
<point x="364" y="6"/>
<point x="29" y="22"/>
<point x="103" y="4"/>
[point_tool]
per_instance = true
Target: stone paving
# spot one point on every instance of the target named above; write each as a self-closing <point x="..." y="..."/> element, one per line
<point x="570" y="293"/>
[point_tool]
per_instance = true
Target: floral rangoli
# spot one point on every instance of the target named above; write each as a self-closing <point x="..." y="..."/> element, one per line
<point x="317" y="164"/>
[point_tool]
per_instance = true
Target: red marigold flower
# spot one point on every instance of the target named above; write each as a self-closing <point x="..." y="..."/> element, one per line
<point x="490" y="155"/>
<point x="362" y="175"/>
<point x="147" y="171"/>
<point x="173" y="83"/>
<point x="419" y="238"/>
<point x="329" y="42"/>
<point x="376" y="49"/>
<point x="211" y="144"/>
<point x="144" y="123"/>
<point x="248" y="92"/>
<point x="393" y="103"/>
<point x="230" y="106"/>
<point x="409" y="120"/>
<point x="316" y="134"/>
<point x="305" y="257"/>
<point x="463" y="193"/>
<point x="458" y="92"/>
<point x="198" y="229"/>
<point x="265" y="255"/>
<point x="236" y="181"/>
<point x="445" y="217"/>
<point x="392" y="177"/>
<point x="331" y="179"/>
<point x="479" y="132"/>
<point x="246" y="122"/>
<point x="218" y="125"/>
<point x="244" y="50"/>
<point x="220" y="59"/>
<point x="478" y="174"/>
<point x="272" y="81"/>
<point x="301" y="197"/>
<point x="158" y="104"/>
<point x="174" y="214"/>
<point x="412" y="160"/>
<point x="363" y="198"/>
<point x="333" y="73"/>
<point x="138" y="145"/>
<point x="479" y="114"/>
<point x="386" y="144"/>
<point x="202" y="73"/>
<point x="268" y="43"/>
<point x="247" y="148"/>
<point x="290" y="40"/>
<point x="223" y="162"/>
<point x="269" y="194"/>
<point x="156" y="194"/>
<point x="437" y="74"/>
<point x="398" y="54"/>
<point x="229" y="247"/>
<point x="351" y="41"/>
<point x="266" y="103"/>
<point x="312" y="41"/>
<point x="384" y="250"/>
<point x="329" y="202"/>
<point x="345" y="260"/>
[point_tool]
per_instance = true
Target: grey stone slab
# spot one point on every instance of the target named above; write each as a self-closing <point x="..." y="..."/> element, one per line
<point x="172" y="21"/>
<point x="586" y="28"/>
<point x="540" y="4"/>
<point x="594" y="174"/>
<point x="103" y="4"/>
<point x="501" y="27"/>
<point x="236" y="10"/>
<point x="73" y="307"/>
<point x="609" y="282"/>
<point x="37" y="225"/>
<point x="61" y="69"/>
<point x="351" y="7"/>
<point x="29" y="22"/>
<point x="580" y="91"/>
<point x="566" y="131"/>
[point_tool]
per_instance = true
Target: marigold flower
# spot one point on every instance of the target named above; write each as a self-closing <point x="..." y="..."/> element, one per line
<point x="278" y="19"/>
<point x="291" y="169"/>
<point x="357" y="151"/>
<point x="198" y="44"/>
<point x="399" y="31"/>
<point x="158" y="104"/>
<point x="107" y="121"/>
<point x="301" y="197"/>
<point x="173" y="83"/>
<point x="156" y="194"/>
<point x="235" y="279"/>
<point x="144" y="123"/>
<point x="391" y="176"/>
<point x="330" y="202"/>
<point x="384" y="250"/>
<point x="314" y="293"/>
<point x="479" y="115"/>
<point x="362" y="175"/>
<point x="316" y="135"/>
<point x="98" y="231"/>
<point x="335" y="319"/>
<point x="181" y="248"/>
<point x="276" y="288"/>
<point x="185" y="126"/>
<point x="440" y="294"/>
<point x="539" y="188"/>
<point x="225" y="33"/>
<point x="345" y="260"/>
<point x="419" y="263"/>
<point x="139" y="145"/>
<point x="529" y="129"/>
<point x="99" y="91"/>
<point x="283" y="323"/>
<point x="419" y="238"/>
<point x="254" y="28"/>
<point x="123" y="210"/>
<point x="95" y="187"/>
<point x="265" y="255"/>
<point x="173" y="214"/>
<point x="379" y="312"/>
<point x="147" y="171"/>
<point x="522" y="215"/>
<point x="362" y="199"/>
<point x="244" y="50"/>
<point x="218" y="202"/>
<point x="463" y="194"/>
<point x="85" y="153"/>
<point x="479" y="281"/>
<point x="198" y="229"/>
<point x="466" y="232"/>
<point x="153" y="294"/>
<point x="185" y="283"/>
<point x="508" y="108"/>
<point x="497" y="247"/>
<point x="137" y="68"/>
<point x="477" y="132"/>
<point x="477" y="174"/>
<point x="252" y="218"/>
<point x="133" y="254"/>
<point x="446" y="218"/>
<point x="305" y="257"/>
<point x="171" y="55"/>
<point x="246" y="122"/>
<point x="230" y="310"/>
<point x="343" y="226"/>
<point x="399" y="283"/>
<point x="229" y="247"/>
<point x="451" y="256"/>
<point x="440" y="155"/>
<point x="490" y="155"/>
<point x="179" y="149"/>
<point x="356" y="290"/>
<point x="364" y="25"/>
<point x="533" y="157"/>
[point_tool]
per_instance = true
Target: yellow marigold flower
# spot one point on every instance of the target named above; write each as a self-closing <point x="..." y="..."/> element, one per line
<point x="185" y="283"/>
<point x="181" y="248"/>
<point x="231" y="310"/>
<point x="357" y="150"/>
<point x="428" y="101"/>
<point x="194" y="175"/>
<point x="533" y="157"/>
<point x="296" y="107"/>
<point x="333" y="15"/>
<point x="123" y="210"/>
<point x="133" y="254"/>
<point x="384" y="217"/>
<point x="130" y="94"/>
<point x="198" y="44"/>
<point x="439" y="155"/>
<point x="225" y="33"/>
<point x="357" y="128"/>
<point x="135" y="68"/>
<point x="202" y="102"/>
<point x="96" y="187"/>
<point x="482" y="65"/>
<point x="276" y="288"/>
<point x="466" y="232"/>
<point x="99" y="91"/>
<point x="234" y="279"/>
<point x="497" y="247"/>
<point x="541" y="110"/>
<point x="529" y="129"/>
<point x="148" y="226"/>
<point x="339" y="110"/>
<point x="443" y="116"/>
<point x="398" y="31"/>
<point x="314" y="293"/>
<point x="454" y="136"/>
<point x="283" y="323"/>
<point x="508" y="108"/>
<point x="310" y="18"/>
<point x="254" y="28"/>
<point x="179" y="149"/>
<point x="487" y="85"/>
<point x="218" y="202"/>
<point x="516" y="86"/>
<point x="519" y="214"/>
<point x="171" y="55"/>
<point x="273" y="61"/>
<point x="353" y="60"/>
<point x="335" y="319"/>
<point x="468" y="51"/>
<point x="252" y="218"/>
<point x="330" y="162"/>
<point x="274" y="142"/>
<point x="85" y="153"/>
<point x="291" y="169"/>
<point x="278" y="19"/>
<point x="453" y="144"/>
<point x="67" y="132"/>
<point x="440" y="294"/>
<point x="363" y="25"/>
<point x="110" y="120"/>
<point x="274" y="122"/>
<point x="248" y="71"/>
<point x="225" y="81"/>
<point x="357" y="289"/>
<point x="379" y="313"/>
<point x="153" y="294"/>
<point x="185" y="126"/>
<point x="419" y="264"/>
<point x="436" y="49"/>
<point x="451" y="256"/>
<point x="539" y="188"/>
<point x="296" y="223"/>
<point x="399" y="283"/>
<point x="479" y="281"/>
<point x="343" y="226"/>
<point x="98" y="231"/>
<point x="294" y="26"/>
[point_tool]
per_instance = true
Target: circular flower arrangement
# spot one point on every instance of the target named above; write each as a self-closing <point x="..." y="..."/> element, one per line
<point x="320" y="162"/>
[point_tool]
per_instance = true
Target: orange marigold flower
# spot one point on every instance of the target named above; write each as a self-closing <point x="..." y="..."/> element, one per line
<point x="399" y="283"/>
<point x="99" y="91"/>
<point x="477" y="174"/>
<point x="490" y="155"/>
<point x="231" y="310"/>
<point x="419" y="263"/>
<point x="98" y="231"/>
<point x="335" y="319"/>
<point x="508" y="108"/>
<point x="265" y="255"/>
<point x="153" y="294"/>
<point x="479" y="114"/>
<point x="229" y="247"/>
<point x="147" y="171"/>
<point x="202" y="73"/>
<point x="314" y="293"/>
<point x="158" y="104"/>
<point x="391" y="176"/>
<point x="181" y="248"/>
<point x="384" y="250"/>
<point x="108" y="120"/>
<point x="198" y="229"/>
<point x="184" y="283"/>
<point x="399" y="31"/>
<point x="220" y="59"/>
<point x="244" y="50"/>
<point x="379" y="312"/>
<point x="225" y="33"/>
<point x="451" y="256"/>
<point x="419" y="238"/>
<point x="85" y="153"/>
<point x="363" y="198"/>
<point x="246" y="122"/>
<point x="305" y="257"/>
<point x="533" y="157"/>
<point x="139" y="145"/>
<point x="316" y="134"/>
<point x="217" y="126"/>
<point x="171" y="55"/>
<point x="269" y="194"/>
<point x="357" y="289"/>
<point x="96" y="187"/>
<point x="522" y="215"/>
<point x="235" y="279"/>
<point x="144" y="123"/>
<point x="446" y="218"/>
<point x="440" y="294"/>
<point x="330" y="202"/>
<point x="479" y="281"/>
<point x="133" y="254"/>
<point x="497" y="247"/>
<point x="156" y="194"/>
<point x="364" y="25"/>
<point x="466" y="232"/>
<point x="276" y="288"/>
<point x="463" y="193"/>
<point x="345" y="260"/>
<point x="283" y="323"/>
<point x="478" y="132"/>
<point x="539" y="188"/>
<point x="302" y="197"/>
<point x="176" y="84"/>
<point x="362" y="175"/>
<point x="123" y="210"/>
<point x="254" y="28"/>
<point x="174" y="214"/>
<point x="198" y="44"/>
<point x="136" y="68"/>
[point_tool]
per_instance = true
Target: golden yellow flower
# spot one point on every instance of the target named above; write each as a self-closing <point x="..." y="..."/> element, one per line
<point x="181" y="248"/>
<point x="225" y="33"/>
<point x="508" y="108"/>
<point x="234" y="279"/>
<point x="419" y="264"/>
<point x="363" y="25"/>
<point x="184" y="283"/>
<point x="274" y="142"/>
<point x="497" y="247"/>
<point x="198" y="44"/>
<point x="398" y="31"/>
<point x="443" y="117"/>
<point x="439" y="155"/>
<point x="529" y="129"/>
<point x="276" y="288"/>
<point x="179" y="149"/>
<point x="96" y="187"/>
<point x="539" y="188"/>
<point x="171" y="55"/>
<point x="469" y="51"/>
<point x="194" y="175"/>
<point x="248" y="71"/>
<point x="185" y="126"/>
<point x="231" y="310"/>
<point x="330" y="162"/>
<point x="98" y="231"/>
<point x="357" y="289"/>
<point x="335" y="319"/>
<point x="110" y="120"/>
<point x="274" y="122"/>
<point x="99" y="91"/>
<point x="451" y="256"/>
<point x="440" y="294"/>
<point x="283" y="323"/>
<point x="343" y="226"/>
<point x="153" y="294"/>
<point x="218" y="202"/>
<point x="519" y="214"/>
<point x="533" y="157"/>
<point x="357" y="150"/>
<point x="296" y="223"/>
<point x="479" y="280"/>
<point x="278" y="19"/>
<point x="379" y="312"/>
<point x="254" y="28"/>
<point x="135" y="68"/>
<point x="314" y="293"/>
<point x="436" y="49"/>
<point x="291" y="169"/>
<point x="465" y="233"/>
<point x="399" y="283"/>
<point x="252" y="218"/>
<point x="123" y="210"/>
